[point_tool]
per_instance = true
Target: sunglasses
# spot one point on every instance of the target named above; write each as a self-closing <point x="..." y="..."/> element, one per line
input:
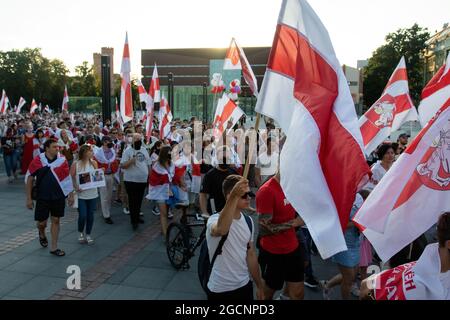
<point x="247" y="194"/>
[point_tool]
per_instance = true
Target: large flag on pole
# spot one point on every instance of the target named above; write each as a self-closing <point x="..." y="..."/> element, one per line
<point x="413" y="193"/>
<point x="22" y="102"/>
<point x="65" y="103"/>
<point x="435" y="93"/>
<point x="118" y="116"/>
<point x="126" y="102"/>
<point x="165" y="117"/>
<point x="143" y="96"/>
<point x="226" y="111"/>
<point x="236" y="59"/>
<point x="322" y="163"/>
<point x="390" y="111"/>
<point x="33" y="107"/>
<point x="154" y="91"/>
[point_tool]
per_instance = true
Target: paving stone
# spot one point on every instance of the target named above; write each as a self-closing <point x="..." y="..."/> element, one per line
<point x="40" y="287"/>
<point x="133" y="293"/>
<point x="10" y="280"/>
<point x="150" y="278"/>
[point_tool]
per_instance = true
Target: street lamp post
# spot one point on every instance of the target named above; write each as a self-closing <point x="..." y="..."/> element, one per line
<point x="170" y="92"/>
<point x="205" y="103"/>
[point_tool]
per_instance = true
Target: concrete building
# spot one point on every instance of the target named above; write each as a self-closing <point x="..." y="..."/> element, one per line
<point x="105" y="51"/>
<point x="438" y="47"/>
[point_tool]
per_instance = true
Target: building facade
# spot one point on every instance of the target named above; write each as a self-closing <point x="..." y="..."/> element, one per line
<point x="105" y="51"/>
<point x="438" y="48"/>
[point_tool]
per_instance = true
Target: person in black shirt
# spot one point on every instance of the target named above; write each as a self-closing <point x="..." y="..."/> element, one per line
<point x="50" y="199"/>
<point x="10" y="154"/>
<point x="211" y="195"/>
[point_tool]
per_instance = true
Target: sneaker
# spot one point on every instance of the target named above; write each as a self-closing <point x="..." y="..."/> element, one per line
<point x="10" y="179"/>
<point x="126" y="211"/>
<point x="311" y="282"/>
<point x="155" y="211"/>
<point x="109" y="221"/>
<point x="89" y="240"/>
<point x="81" y="238"/>
<point x="355" y="290"/>
<point x="283" y="297"/>
<point x="326" y="292"/>
<point x="170" y="215"/>
<point x="141" y="214"/>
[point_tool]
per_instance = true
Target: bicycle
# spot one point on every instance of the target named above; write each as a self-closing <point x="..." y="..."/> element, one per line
<point x="182" y="242"/>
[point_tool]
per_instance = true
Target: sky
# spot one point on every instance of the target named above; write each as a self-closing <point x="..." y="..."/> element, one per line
<point x="73" y="30"/>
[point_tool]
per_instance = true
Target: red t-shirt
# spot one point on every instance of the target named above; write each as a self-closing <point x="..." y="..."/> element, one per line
<point x="270" y="199"/>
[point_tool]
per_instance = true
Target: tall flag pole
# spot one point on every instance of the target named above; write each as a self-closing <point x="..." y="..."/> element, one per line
<point x="65" y="103"/>
<point x="306" y="92"/>
<point x="126" y="102"/>
<point x="154" y="96"/>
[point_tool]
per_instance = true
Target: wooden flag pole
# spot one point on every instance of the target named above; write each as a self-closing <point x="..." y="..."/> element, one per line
<point x="252" y="147"/>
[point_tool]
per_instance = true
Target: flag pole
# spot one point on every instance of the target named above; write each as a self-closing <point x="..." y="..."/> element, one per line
<point x="252" y="147"/>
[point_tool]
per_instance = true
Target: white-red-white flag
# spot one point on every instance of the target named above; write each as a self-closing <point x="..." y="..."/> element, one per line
<point x="65" y="103"/>
<point x="236" y="59"/>
<point x="143" y="95"/>
<point x="33" y="107"/>
<point x="47" y="109"/>
<point x="435" y="93"/>
<point x="226" y="112"/>
<point x="118" y="116"/>
<point x="322" y="163"/>
<point x="165" y="117"/>
<point x="3" y="103"/>
<point x="22" y="102"/>
<point x="413" y="193"/>
<point x="126" y="102"/>
<point x="390" y="111"/>
<point x="154" y="91"/>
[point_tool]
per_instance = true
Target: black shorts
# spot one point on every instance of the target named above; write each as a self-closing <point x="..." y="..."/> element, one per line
<point x="280" y="268"/>
<point x="44" y="208"/>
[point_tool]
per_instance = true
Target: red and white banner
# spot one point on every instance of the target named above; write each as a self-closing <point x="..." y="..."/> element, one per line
<point x="419" y="280"/>
<point x="305" y="90"/>
<point x="65" y="103"/>
<point x="236" y="59"/>
<point x="3" y="103"/>
<point x="154" y="91"/>
<point x="33" y="107"/>
<point x="59" y="168"/>
<point x="22" y="102"/>
<point x="226" y="111"/>
<point x="165" y="117"/>
<point x="143" y="95"/>
<point x="435" y="93"/>
<point x="47" y="109"/>
<point x="118" y="116"/>
<point x="126" y="102"/>
<point x="413" y="193"/>
<point x="390" y="111"/>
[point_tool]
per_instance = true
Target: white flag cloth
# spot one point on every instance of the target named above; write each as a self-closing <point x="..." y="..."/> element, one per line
<point x="226" y="111"/>
<point x="22" y="102"/>
<point x="390" y="111"/>
<point x="143" y="95"/>
<point x="165" y="117"/>
<point x="413" y="193"/>
<point x="305" y="90"/>
<point x="65" y="103"/>
<point x="435" y="93"/>
<point x="33" y="107"/>
<point x="126" y="102"/>
<point x="236" y="59"/>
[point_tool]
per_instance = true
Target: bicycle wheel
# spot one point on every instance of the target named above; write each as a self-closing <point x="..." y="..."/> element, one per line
<point x="177" y="240"/>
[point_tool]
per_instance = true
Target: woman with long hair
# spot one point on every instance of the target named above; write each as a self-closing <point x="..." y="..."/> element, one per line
<point x="160" y="179"/>
<point x="87" y="199"/>
<point x="67" y="147"/>
<point x="38" y="142"/>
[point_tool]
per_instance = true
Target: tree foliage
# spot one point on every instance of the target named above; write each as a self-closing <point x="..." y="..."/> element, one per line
<point x="409" y="43"/>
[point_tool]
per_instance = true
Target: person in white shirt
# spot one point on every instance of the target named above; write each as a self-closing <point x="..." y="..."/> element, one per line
<point x="135" y="164"/>
<point x="230" y="275"/>
<point x="386" y="154"/>
<point x="267" y="163"/>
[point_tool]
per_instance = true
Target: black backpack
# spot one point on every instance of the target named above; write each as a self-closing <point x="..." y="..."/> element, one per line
<point x="205" y="265"/>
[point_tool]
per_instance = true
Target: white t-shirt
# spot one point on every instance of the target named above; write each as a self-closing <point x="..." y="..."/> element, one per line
<point x="268" y="164"/>
<point x="137" y="172"/>
<point x="89" y="193"/>
<point x="377" y="173"/>
<point x="230" y="270"/>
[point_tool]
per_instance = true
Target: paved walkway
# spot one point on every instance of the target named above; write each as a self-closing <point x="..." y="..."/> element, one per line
<point x="122" y="264"/>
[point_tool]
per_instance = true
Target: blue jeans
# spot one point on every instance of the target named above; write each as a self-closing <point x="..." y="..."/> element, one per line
<point x="306" y="240"/>
<point x="86" y="210"/>
<point x="11" y="162"/>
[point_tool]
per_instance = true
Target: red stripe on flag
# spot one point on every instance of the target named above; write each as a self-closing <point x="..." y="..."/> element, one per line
<point x="402" y="103"/>
<point x="368" y="131"/>
<point x="400" y="74"/>
<point x="62" y="171"/>
<point x="283" y="55"/>
<point x="434" y="84"/>
<point x="316" y="86"/>
<point x="35" y="164"/>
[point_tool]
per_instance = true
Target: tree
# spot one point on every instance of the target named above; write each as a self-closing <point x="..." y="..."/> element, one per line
<point x="409" y="43"/>
<point x="85" y="82"/>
